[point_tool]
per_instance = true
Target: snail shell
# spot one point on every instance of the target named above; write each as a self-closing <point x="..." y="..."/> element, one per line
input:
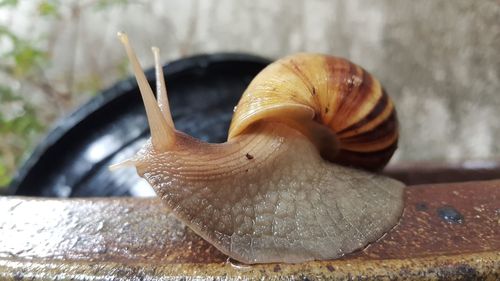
<point x="304" y="89"/>
<point x="267" y="194"/>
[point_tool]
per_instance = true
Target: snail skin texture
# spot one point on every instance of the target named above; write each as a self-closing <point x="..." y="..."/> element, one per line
<point x="268" y="194"/>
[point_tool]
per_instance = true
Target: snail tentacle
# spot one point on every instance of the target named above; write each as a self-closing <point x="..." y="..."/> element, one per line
<point x="162" y="135"/>
<point x="122" y="164"/>
<point x="161" y="89"/>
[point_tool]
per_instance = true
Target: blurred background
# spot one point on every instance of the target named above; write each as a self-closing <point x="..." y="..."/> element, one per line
<point x="439" y="60"/>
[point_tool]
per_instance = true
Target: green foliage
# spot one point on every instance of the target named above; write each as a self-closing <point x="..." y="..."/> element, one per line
<point x="48" y="8"/>
<point x="11" y="3"/>
<point x="22" y="61"/>
<point x="18" y="123"/>
<point x="103" y="4"/>
<point x="4" y="175"/>
<point x="23" y="57"/>
<point x="21" y="122"/>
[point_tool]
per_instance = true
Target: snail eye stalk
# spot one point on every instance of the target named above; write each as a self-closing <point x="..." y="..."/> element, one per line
<point x="162" y="134"/>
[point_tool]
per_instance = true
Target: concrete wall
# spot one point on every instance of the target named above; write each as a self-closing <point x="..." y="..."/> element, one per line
<point x="438" y="59"/>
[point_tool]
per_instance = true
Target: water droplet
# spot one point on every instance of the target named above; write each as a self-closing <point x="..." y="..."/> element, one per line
<point x="450" y="214"/>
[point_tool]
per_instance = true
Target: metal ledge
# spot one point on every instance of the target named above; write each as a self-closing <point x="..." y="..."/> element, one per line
<point x="448" y="231"/>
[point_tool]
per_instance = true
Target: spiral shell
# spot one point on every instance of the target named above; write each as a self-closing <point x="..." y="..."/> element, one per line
<point x="305" y="90"/>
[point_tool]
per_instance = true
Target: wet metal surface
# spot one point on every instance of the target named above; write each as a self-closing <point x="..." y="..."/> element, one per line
<point x="130" y="237"/>
<point x="425" y="172"/>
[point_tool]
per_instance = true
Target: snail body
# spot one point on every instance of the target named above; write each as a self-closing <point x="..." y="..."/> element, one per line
<point x="271" y="193"/>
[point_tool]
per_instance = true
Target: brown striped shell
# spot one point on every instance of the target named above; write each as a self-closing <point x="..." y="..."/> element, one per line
<point x="312" y="92"/>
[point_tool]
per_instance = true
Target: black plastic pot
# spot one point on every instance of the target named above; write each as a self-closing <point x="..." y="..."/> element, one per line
<point x="72" y="160"/>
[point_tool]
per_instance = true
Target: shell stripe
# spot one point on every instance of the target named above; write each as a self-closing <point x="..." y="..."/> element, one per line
<point x="377" y="111"/>
<point x="337" y="72"/>
<point x="360" y="95"/>
<point x="296" y="69"/>
<point x="378" y="138"/>
<point x="369" y="160"/>
<point x="353" y="97"/>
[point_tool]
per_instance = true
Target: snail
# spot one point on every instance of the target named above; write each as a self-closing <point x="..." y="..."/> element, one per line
<point x="274" y="192"/>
